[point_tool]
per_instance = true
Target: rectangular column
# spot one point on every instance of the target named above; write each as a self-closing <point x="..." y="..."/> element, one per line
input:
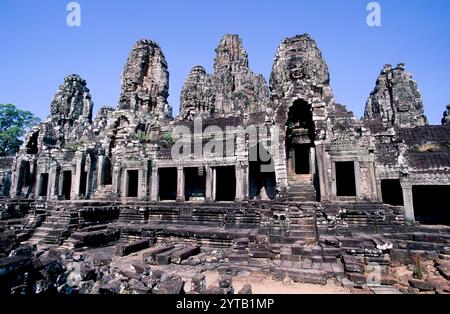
<point x="180" y="184"/>
<point x="100" y="169"/>
<point x="239" y="183"/>
<point x="408" y="202"/>
<point x="214" y="183"/>
<point x="77" y="180"/>
<point x="154" y="193"/>
<point x="18" y="179"/>
<point x="209" y="184"/>
<point x="141" y="183"/>
<point x="54" y="184"/>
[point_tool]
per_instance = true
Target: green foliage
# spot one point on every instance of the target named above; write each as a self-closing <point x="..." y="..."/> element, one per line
<point x="73" y="147"/>
<point x="419" y="269"/>
<point x="14" y="123"/>
<point x="168" y="138"/>
<point x="142" y="137"/>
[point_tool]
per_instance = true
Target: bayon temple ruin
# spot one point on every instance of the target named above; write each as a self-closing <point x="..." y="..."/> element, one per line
<point x="278" y="172"/>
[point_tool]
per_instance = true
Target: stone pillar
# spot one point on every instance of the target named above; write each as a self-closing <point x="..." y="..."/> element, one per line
<point x="245" y="181"/>
<point x="209" y="184"/>
<point x="38" y="185"/>
<point x="54" y="183"/>
<point x="154" y="193"/>
<point x="239" y="181"/>
<point x="357" y="168"/>
<point x="214" y="183"/>
<point x="17" y="187"/>
<point x="116" y="179"/>
<point x="60" y="184"/>
<point x="180" y="185"/>
<point x="77" y="180"/>
<point x="100" y="170"/>
<point x="321" y="157"/>
<point x="408" y="201"/>
<point x="141" y="183"/>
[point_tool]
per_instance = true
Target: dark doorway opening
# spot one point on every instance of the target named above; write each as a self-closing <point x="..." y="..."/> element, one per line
<point x="391" y="192"/>
<point x="67" y="185"/>
<point x="43" y="187"/>
<point x="32" y="145"/>
<point x="345" y="178"/>
<point x="262" y="181"/>
<point x="167" y="184"/>
<point x="302" y="159"/>
<point x="132" y="183"/>
<point x="25" y="174"/>
<point x="300" y="117"/>
<point x="225" y="184"/>
<point x="431" y="204"/>
<point x="107" y="172"/>
<point x="83" y="183"/>
<point x="194" y="183"/>
<point x="300" y="136"/>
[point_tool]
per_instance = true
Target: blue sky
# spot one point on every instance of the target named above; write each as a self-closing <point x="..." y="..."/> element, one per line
<point x="38" y="49"/>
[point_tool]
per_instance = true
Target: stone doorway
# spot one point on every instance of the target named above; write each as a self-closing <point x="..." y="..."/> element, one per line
<point x="345" y="178"/>
<point x="300" y="147"/>
<point x="302" y="159"/>
<point x="225" y="184"/>
<point x="67" y="185"/>
<point x="431" y="204"/>
<point x="194" y="184"/>
<point x="43" y="187"/>
<point x="391" y="192"/>
<point x="262" y="180"/>
<point x="167" y="184"/>
<point x="132" y="183"/>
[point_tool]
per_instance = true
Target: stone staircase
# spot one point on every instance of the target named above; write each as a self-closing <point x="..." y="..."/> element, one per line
<point x="302" y="228"/>
<point x="301" y="191"/>
<point x="56" y="228"/>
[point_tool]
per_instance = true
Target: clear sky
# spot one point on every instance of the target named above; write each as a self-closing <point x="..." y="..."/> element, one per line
<point x="38" y="49"/>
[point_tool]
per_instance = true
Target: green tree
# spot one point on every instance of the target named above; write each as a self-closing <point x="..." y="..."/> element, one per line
<point x="14" y="123"/>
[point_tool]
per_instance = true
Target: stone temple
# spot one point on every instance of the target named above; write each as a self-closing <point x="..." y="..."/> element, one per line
<point x="312" y="185"/>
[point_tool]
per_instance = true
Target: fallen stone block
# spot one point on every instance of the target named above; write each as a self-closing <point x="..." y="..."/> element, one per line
<point x="126" y="249"/>
<point x="165" y="258"/>
<point x="149" y="256"/>
<point x="185" y="253"/>
<point x="443" y="268"/>
<point x="421" y="285"/>
<point x="357" y="278"/>
<point x="14" y="264"/>
<point x="171" y="285"/>
<point x="312" y="276"/>
<point x="246" y="289"/>
<point x="137" y="287"/>
<point x="401" y="256"/>
<point x="23" y="250"/>
<point x="225" y="281"/>
<point x="198" y="283"/>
